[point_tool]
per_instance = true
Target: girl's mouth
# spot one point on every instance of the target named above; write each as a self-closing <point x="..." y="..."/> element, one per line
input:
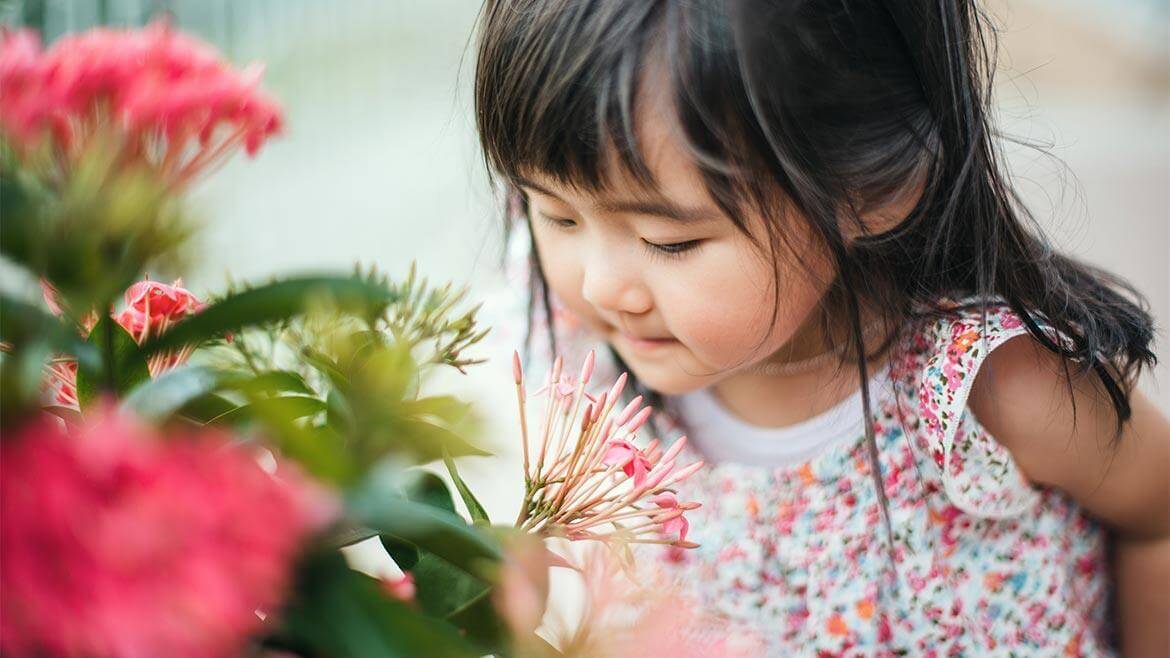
<point x="646" y="344"/>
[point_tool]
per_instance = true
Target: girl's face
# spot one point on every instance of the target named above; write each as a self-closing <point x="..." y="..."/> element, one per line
<point x="684" y="297"/>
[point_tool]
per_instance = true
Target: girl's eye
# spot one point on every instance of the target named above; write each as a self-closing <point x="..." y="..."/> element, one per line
<point x="557" y="222"/>
<point x="672" y="250"/>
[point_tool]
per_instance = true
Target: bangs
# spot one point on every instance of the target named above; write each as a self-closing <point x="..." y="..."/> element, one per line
<point x="557" y="85"/>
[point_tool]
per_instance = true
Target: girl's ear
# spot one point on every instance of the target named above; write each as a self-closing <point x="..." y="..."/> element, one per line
<point x="887" y="215"/>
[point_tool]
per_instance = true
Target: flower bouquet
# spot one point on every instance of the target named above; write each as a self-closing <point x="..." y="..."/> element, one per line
<point x="179" y="473"/>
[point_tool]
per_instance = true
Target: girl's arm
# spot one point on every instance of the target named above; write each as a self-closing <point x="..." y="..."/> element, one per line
<point x="1022" y="398"/>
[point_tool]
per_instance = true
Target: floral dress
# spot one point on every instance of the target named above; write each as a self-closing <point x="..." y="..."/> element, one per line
<point x="983" y="562"/>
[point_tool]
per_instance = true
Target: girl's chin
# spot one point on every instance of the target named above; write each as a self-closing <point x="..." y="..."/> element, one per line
<point x="664" y="378"/>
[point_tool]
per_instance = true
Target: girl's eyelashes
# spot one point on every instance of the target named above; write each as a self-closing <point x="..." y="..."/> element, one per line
<point x="674" y="250"/>
<point x="654" y="249"/>
<point x="557" y="222"/>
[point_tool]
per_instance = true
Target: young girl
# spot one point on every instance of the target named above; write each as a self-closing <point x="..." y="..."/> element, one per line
<point x="789" y="221"/>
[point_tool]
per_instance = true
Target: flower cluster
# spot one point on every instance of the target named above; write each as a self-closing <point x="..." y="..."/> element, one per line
<point x="589" y="479"/>
<point x="170" y="101"/>
<point x="118" y="543"/>
<point x="617" y="616"/>
<point x="151" y="308"/>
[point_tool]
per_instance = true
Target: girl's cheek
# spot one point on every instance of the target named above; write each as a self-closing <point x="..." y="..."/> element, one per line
<point x="725" y="313"/>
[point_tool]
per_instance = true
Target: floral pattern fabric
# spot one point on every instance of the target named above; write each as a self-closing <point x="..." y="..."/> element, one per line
<point x="982" y="562"/>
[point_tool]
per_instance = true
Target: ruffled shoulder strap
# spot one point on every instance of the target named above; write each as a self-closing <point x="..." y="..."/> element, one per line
<point x="978" y="474"/>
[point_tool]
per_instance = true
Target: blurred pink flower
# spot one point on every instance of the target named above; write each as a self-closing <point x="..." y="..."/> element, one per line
<point x="170" y="100"/>
<point x="401" y="588"/>
<point x="61" y="382"/>
<point x="521" y="593"/>
<point x="51" y="300"/>
<point x="646" y="615"/>
<point x="118" y="543"/>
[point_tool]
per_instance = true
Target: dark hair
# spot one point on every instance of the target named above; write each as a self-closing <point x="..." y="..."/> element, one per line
<point x="840" y="106"/>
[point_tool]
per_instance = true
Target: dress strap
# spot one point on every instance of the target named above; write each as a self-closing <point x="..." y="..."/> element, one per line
<point x="979" y="475"/>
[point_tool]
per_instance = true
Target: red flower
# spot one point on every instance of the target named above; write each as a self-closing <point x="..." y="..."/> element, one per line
<point x="118" y="544"/>
<point x="169" y="99"/>
<point x="153" y="306"/>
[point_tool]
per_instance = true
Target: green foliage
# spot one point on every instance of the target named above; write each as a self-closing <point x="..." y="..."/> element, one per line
<point x="420" y="317"/>
<point x="474" y="508"/>
<point x="339" y="612"/>
<point x="123" y="366"/>
<point x="330" y="371"/>
<point x="444" y="533"/>
<point x="23" y="324"/>
<point x="331" y="378"/>
<point x="92" y="233"/>
<point x="274" y="303"/>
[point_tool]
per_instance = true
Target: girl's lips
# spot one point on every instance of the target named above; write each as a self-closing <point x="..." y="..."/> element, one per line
<point x="646" y="344"/>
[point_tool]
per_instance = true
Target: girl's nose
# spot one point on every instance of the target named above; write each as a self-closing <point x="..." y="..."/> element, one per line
<point x="610" y="284"/>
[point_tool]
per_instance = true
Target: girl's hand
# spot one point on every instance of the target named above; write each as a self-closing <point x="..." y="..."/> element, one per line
<point x="1021" y="396"/>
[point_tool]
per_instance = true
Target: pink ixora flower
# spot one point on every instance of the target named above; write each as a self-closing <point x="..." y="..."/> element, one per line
<point x="650" y="615"/>
<point x="589" y="479"/>
<point x="119" y="544"/>
<point x="152" y="307"/>
<point x="168" y="100"/>
<point x="674" y="525"/>
<point x="630" y="459"/>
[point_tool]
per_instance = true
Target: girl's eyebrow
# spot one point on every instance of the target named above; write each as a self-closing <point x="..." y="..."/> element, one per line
<point x="657" y="206"/>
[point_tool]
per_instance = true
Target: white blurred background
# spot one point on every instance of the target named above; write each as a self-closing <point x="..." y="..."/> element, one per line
<point x="379" y="161"/>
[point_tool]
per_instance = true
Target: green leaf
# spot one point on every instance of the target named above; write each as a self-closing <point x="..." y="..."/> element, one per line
<point x="271" y="303"/>
<point x="443" y="588"/>
<point x="428" y="439"/>
<point x="404" y="554"/>
<point x="319" y="449"/>
<point x="327" y="366"/>
<point x="275" y="381"/>
<point x="338" y="413"/>
<point x="443" y="533"/>
<point x="429" y="489"/>
<point x="123" y="364"/>
<point x="22" y="323"/>
<point x="161" y="398"/>
<point x="288" y="407"/>
<point x="206" y="408"/>
<point x="481" y="623"/>
<point x="335" y="611"/>
<point x="478" y="513"/>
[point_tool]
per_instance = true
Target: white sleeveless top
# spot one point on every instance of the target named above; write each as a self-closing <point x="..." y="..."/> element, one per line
<point x="722" y="437"/>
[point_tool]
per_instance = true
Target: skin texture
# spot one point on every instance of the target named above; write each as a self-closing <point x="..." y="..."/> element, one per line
<point x="1022" y="398"/>
<point x="713" y="302"/>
